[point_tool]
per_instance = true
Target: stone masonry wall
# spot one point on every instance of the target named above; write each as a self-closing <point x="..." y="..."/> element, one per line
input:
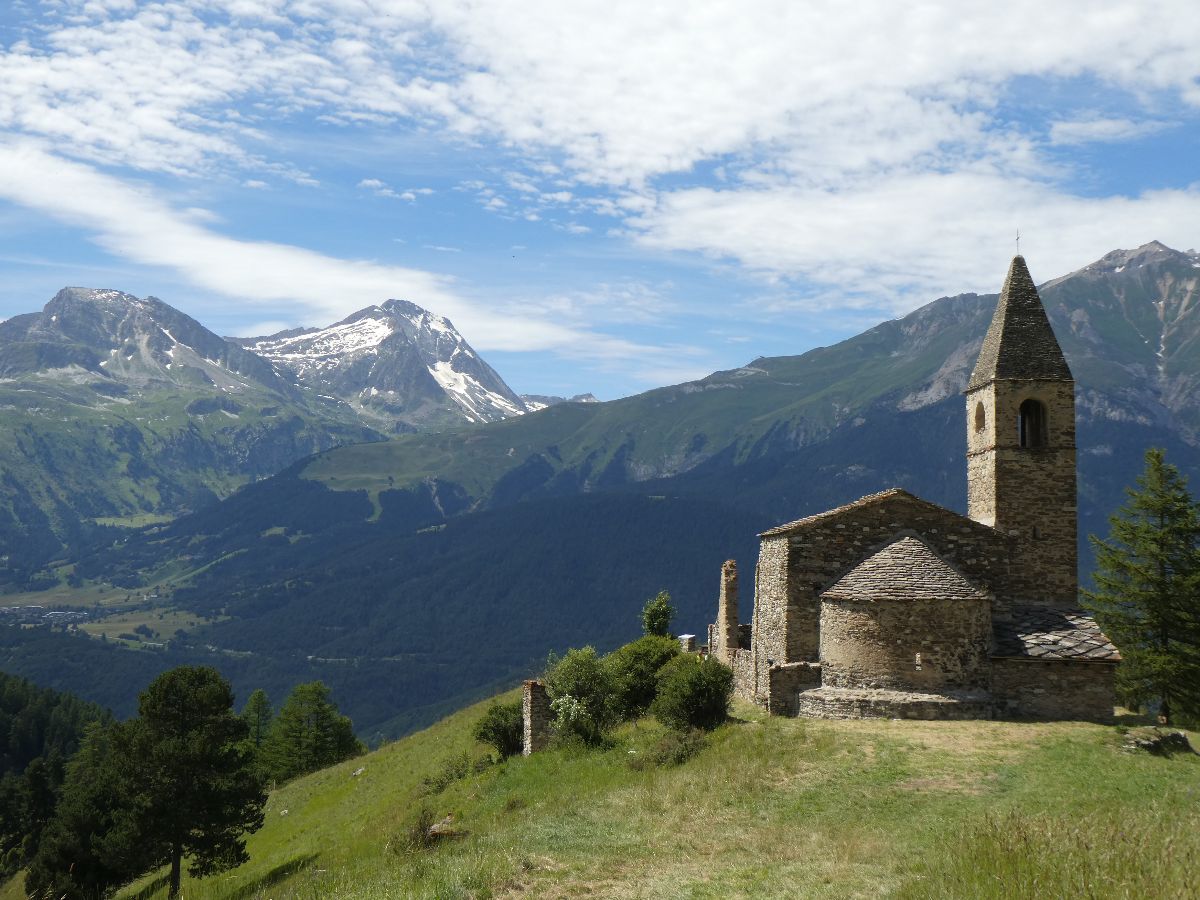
<point x="786" y="683"/>
<point x="909" y="645"/>
<point x="1053" y="689"/>
<point x="820" y="551"/>
<point x="769" y="634"/>
<point x="1029" y="493"/>
<point x="536" y="716"/>
<point x="745" y="685"/>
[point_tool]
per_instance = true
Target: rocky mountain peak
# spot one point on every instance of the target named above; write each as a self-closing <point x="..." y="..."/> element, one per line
<point x="1153" y="253"/>
<point x="395" y="363"/>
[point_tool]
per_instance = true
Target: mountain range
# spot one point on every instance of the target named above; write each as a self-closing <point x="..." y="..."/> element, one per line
<point x="416" y="572"/>
<point x="120" y="411"/>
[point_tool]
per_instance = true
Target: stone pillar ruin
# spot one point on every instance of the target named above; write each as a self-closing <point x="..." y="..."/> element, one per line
<point x="726" y="636"/>
<point x="535" y="715"/>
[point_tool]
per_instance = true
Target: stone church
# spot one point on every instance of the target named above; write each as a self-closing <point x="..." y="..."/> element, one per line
<point x="896" y="607"/>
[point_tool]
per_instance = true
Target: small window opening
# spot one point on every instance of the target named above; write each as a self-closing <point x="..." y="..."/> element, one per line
<point x="1031" y="424"/>
<point x="917" y="662"/>
<point x="980" y="417"/>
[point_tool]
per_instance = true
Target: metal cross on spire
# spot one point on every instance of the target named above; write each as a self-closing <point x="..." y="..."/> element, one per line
<point x="1018" y="242"/>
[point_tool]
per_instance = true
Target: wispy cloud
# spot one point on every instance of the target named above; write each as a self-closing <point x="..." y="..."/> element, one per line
<point x="135" y="225"/>
<point x="1101" y="129"/>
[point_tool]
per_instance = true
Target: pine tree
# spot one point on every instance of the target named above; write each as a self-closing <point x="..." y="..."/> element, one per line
<point x="194" y="792"/>
<point x="258" y="716"/>
<point x="308" y="734"/>
<point x="1147" y="591"/>
<point x="73" y="859"/>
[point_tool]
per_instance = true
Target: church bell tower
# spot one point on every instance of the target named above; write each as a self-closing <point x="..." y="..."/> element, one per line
<point x="1021" y="443"/>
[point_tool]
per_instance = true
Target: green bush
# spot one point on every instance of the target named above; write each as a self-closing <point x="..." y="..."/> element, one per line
<point x="502" y="727"/>
<point x="634" y="670"/>
<point x="693" y="693"/>
<point x="657" y="615"/>
<point x="454" y="768"/>
<point x="582" y="693"/>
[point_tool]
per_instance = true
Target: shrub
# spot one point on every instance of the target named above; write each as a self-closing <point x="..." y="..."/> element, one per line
<point x="502" y="727"/>
<point x="657" y="615"/>
<point x="581" y="688"/>
<point x="676" y="747"/>
<point x="634" y="671"/>
<point x="414" y="835"/>
<point x="693" y="693"/>
<point x="453" y="769"/>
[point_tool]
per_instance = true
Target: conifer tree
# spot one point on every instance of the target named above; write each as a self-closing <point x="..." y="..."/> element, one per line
<point x="194" y="792"/>
<point x="258" y="715"/>
<point x="308" y="734"/>
<point x="1147" y="591"/>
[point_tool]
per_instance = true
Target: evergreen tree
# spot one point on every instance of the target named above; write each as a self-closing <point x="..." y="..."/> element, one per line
<point x="194" y="792"/>
<point x="73" y="860"/>
<point x="308" y="734"/>
<point x="657" y="615"/>
<point x="258" y="716"/>
<point x="1147" y="591"/>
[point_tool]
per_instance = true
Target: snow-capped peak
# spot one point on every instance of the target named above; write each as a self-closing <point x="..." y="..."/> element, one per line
<point x="395" y="360"/>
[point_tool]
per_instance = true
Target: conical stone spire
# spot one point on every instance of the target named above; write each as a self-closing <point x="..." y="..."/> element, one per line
<point x="1020" y="343"/>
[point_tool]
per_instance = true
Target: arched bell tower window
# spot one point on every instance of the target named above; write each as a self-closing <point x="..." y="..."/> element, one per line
<point x="1031" y="424"/>
<point x="980" y="417"/>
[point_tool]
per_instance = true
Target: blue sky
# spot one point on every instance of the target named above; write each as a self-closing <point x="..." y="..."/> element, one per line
<point x="603" y="196"/>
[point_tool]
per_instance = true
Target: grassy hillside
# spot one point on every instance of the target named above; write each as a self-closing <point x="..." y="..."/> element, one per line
<point x="771" y="808"/>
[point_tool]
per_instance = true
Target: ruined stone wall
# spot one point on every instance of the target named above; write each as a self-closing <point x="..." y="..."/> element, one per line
<point x="724" y="635"/>
<point x="745" y="685"/>
<point x="536" y="716"/>
<point x="1028" y="493"/>
<point x="823" y="551"/>
<point x="909" y="645"/>
<point x="1053" y="689"/>
<point x="786" y="683"/>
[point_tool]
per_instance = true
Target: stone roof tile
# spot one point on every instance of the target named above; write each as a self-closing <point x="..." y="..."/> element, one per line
<point x="1019" y="343"/>
<point x="903" y="570"/>
<point x="1044" y="633"/>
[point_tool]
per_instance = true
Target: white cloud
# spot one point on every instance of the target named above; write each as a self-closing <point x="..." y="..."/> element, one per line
<point x="134" y="225"/>
<point x="1100" y="129"/>
<point x="900" y="242"/>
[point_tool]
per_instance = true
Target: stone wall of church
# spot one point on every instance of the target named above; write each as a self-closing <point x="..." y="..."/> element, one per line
<point x="769" y="635"/>
<point x="820" y="553"/>
<point x="1053" y="689"/>
<point x="930" y="646"/>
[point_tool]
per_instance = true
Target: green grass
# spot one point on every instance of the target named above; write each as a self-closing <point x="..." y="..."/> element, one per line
<point x="770" y="808"/>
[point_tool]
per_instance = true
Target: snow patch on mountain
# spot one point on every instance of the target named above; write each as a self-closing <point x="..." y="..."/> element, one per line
<point x="395" y="360"/>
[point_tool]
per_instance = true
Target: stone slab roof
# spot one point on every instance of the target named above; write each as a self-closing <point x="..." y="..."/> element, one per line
<point x="869" y="500"/>
<point x="1019" y="343"/>
<point x="903" y="570"/>
<point x="1041" y="633"/>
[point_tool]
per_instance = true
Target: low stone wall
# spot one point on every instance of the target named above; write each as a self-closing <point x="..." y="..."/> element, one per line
<point x="844" y="703"/>
<point x="536" y="716"/>
<point x="1053" y="689"/>
<point x="745" y="685"/>
<point x="785" y="684"/>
